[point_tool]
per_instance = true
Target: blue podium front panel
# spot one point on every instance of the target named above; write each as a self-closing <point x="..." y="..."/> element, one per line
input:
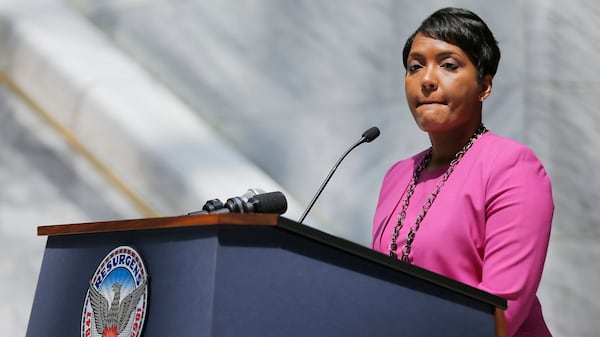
<point x="253" y="281"/>
<point x="274" y="283"/>
<point x="180" y="264"/>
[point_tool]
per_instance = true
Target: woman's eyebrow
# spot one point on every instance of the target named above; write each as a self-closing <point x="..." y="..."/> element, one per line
<point x="442" y="54"/>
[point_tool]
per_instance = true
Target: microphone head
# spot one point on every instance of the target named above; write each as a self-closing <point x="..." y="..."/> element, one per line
<point x="242" y="204"/>
<point x="272" y="202"/>
<point x="236" y="205"/>
<point x="252" y="192"/>
<point x="213" y="205"/>
<point x="371" y="134"/>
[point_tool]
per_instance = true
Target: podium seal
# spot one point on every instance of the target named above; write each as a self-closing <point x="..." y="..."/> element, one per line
<point x="117" y="297"/>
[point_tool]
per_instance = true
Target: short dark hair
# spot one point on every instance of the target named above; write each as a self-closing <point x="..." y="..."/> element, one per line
<point x="464" y="29"/>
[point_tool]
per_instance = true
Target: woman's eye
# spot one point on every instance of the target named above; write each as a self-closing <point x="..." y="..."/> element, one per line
<point x="413" y="67"/>
<point x="450" y="66"/>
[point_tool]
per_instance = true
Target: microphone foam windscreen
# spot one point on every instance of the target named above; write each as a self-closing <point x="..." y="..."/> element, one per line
<point x="272" y="202"/>
<point x="371" y="134"/>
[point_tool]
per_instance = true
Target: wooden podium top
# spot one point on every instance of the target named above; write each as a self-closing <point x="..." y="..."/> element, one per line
<point x="161" y="222"/>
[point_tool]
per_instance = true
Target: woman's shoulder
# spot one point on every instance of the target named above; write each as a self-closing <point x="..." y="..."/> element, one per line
<point x="499" y="148"/>
<point x="496" y="140"/>
<point x="501" y="157"/>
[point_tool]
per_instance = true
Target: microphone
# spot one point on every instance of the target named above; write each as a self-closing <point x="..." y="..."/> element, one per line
<point x="368" y="136"/>
<point x="216" y="204"/>
<point x="272" y="202"/>
<point x="212" y="205"/>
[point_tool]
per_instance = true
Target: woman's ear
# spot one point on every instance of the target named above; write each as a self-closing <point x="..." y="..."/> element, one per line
<point x="486" y="87"/>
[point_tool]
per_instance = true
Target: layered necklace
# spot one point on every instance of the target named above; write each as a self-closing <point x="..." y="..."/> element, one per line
<point x="410" y="237"/>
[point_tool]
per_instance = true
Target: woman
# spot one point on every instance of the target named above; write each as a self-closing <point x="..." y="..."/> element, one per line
<point x="475" y="207"/>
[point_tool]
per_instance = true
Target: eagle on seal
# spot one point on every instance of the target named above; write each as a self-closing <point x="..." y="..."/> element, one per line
<point x="111" y="319"/>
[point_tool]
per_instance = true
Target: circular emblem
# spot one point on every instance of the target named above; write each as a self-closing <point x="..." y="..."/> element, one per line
<point x="117" y="296"/>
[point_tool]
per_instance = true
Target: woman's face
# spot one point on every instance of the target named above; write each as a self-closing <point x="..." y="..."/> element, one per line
<point x="442" y="87"/>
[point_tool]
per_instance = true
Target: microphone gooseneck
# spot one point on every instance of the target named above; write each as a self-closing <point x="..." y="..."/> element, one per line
<point x="368" y="136"/>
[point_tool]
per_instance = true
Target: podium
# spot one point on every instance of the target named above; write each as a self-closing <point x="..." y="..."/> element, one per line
<point x="256" y="275"/>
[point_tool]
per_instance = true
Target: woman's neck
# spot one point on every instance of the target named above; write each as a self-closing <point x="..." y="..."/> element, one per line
<point x="445" y="146"/>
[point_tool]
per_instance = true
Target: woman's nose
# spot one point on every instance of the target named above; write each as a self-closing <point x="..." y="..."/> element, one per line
<point x="429" y="80"/>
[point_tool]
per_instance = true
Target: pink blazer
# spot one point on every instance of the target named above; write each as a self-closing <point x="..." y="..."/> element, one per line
<point x="489" y="226"/>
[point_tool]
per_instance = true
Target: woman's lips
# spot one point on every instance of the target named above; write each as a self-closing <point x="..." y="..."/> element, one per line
<point x="430" y="102"/>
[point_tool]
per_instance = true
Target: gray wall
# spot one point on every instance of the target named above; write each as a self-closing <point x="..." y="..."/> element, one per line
<point x="291" y="84"/>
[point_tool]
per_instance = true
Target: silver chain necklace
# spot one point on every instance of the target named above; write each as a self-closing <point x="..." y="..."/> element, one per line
<point x="410" y="237"/>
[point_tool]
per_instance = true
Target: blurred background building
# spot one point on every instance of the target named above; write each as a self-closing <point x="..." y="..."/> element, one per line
<point x="137" y="108"/>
